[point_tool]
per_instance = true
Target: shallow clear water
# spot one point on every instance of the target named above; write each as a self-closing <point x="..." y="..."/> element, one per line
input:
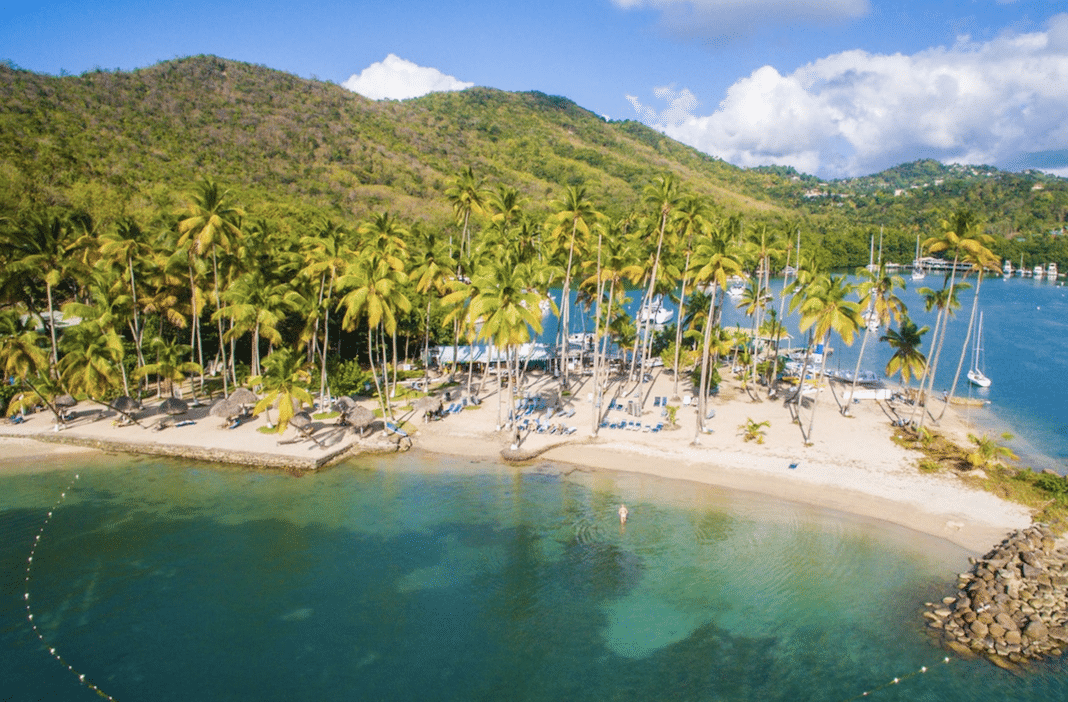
<point x="418" y="577"/>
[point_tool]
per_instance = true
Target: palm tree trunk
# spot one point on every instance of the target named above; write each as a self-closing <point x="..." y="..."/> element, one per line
<point x="926" y="367"/>
<point x="964" y="346"/>
<point x="565" y="307"/>
<point x="374" y="372"/>
<point x="326" y="345"/>
<point x="596" y="409"/>
<point x="942" y="336"/>
<point x="819" y="386"/>
<point x="678" y="321"/>
<point x="701" y="393"/>
<point x="222" y="345"/>
<point x="801" y="385"/>
<point x="856" y="373"/>
<point x="648" y="342"/>
<point x="52" y="329"/>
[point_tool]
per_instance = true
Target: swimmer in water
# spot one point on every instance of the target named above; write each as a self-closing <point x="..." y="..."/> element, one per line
<point x="623" y="514"/>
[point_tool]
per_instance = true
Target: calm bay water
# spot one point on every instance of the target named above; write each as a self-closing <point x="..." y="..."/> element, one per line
<point x="416" y="577"/>
<point x="1025" y="347"/>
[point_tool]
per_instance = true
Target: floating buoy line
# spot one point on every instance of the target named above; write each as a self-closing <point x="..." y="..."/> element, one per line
<point x="895" y="681"/>
<point x="29" y="610"/>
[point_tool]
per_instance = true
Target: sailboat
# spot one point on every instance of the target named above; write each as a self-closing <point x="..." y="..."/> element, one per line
<point x="975" y="375"/>
<point x="917" y="267"/>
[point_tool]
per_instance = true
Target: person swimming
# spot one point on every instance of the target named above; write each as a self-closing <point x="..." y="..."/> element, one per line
<point x="623" y="512"/>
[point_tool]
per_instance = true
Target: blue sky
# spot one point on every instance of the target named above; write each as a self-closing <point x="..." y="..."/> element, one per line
<point x="833" y="87"/>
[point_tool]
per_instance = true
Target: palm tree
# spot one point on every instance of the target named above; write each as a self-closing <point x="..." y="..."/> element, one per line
<point x="432" y="277"/>
<point x="169" y="365"/>
<point x="947" y="301"/>
<point x="509" y="310"/>
<point x="957" y="237"/>
<point x="327" y="253"/>
<point x="691" y="222"/>
<point x="382" y="238"/>
<point x="466" y="196"/>
<point x="375" y="287"/>
<point x="285" y="379"/>
<point x="876" y="291"/>
<point x="128" y="244"/>
<point x="22" y="357"/>
<point x="41" y="249"/>
<point x="982" y="260"/>
<point x="907" y="360"/>
<point x="257" y="305"/>
<point x="825" y="309"/>
<point x="761" y="248"/>
<point x="574" y="214"/>
<point x="713" y="263"/>
<point x="212" y="223"/>
<point x="662" y="196"/>
<point x="92" y="356"/>
<point x="988" y="452"/>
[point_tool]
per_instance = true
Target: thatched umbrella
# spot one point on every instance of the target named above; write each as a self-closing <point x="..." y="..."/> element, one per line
<point x="428" y="404"/>
<point x="344" y="403"/>
<point x="174" y="406"/>
<point x="65" y="401"/>
<point x="125" y="403"/>
<point x="360" y="418"/>
<point x="226" y="408"/>
<point x="300" y="421"/>
<point x="243" y="396"/>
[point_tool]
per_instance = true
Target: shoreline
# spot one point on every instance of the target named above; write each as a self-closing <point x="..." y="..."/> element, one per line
<point x="852" y="465"/>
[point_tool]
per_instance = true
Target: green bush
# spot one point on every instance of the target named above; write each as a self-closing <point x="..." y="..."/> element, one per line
<point x="1054" y="484"/>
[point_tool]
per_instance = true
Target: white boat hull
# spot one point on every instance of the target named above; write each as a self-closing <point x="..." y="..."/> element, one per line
<point x="976" y="377"/>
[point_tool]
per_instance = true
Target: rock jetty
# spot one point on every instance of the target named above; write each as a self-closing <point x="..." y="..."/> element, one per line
<point x="1012" y="606"/>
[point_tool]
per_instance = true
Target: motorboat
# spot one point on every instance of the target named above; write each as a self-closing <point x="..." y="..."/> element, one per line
<point x="1038" y="272"/>
<point x="976" y="375"/>
<point x="1051" y="271"/>
<point x="656" y="312"/>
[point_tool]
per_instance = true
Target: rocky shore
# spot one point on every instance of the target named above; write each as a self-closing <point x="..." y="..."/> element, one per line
<point x="1012" y="606"/>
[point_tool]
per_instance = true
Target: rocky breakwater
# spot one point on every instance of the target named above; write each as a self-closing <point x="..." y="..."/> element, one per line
<point x="1012" y="606"/>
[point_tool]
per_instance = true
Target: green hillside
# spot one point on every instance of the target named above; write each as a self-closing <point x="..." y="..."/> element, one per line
<point x="112" y="142"/>
<point x="292" y="149"/>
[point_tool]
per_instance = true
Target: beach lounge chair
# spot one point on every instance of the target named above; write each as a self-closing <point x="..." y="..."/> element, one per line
<point x="686" y="400"/>
<point x="185" y="423"/>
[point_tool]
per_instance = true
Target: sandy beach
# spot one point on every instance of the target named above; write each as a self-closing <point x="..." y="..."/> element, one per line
<point x="851" y="466"/>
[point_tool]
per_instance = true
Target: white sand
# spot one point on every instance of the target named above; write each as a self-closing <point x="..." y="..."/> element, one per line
<point x="852" y="464"/>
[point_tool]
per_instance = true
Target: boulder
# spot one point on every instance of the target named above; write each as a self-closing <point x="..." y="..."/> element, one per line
<point x="1036" y="630"/>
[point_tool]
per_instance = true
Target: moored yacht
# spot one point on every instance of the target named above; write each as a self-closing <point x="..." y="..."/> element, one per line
<point x="655" y="312"/>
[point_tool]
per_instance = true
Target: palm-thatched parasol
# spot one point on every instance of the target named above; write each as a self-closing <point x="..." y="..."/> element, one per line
<point x="65" y="401"/>
<point x="360" y="418"/>
<point x="344" y="403"/>
<point x="125" y="403"/>
<point x="174" y="406"/>
<point x="300" y="420"/>
<point x="427" y="405"/>
<point x="243" y="396"/>
<point x="226" y="408"/>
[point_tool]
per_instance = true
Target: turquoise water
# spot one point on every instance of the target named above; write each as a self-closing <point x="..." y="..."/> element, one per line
<point x="1026" y="356"/>
<point x="416" y="577"/>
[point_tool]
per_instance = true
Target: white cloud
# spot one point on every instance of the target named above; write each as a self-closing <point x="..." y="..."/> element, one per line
<point x="855" y="113"/>
<point x="397" y="79"/>
<point x="718" y="19"/>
